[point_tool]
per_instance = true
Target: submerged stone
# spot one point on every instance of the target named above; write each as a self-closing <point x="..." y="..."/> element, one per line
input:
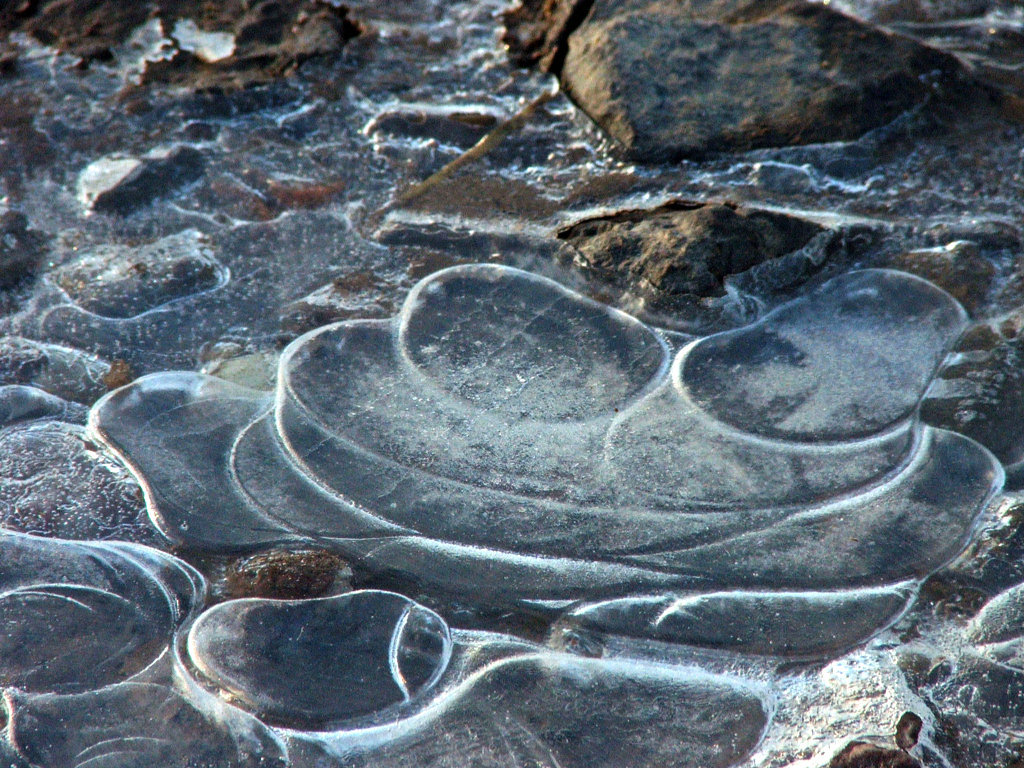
<point x="65" y="372"/>
<point x="285" y="574"/>
<point x="119" y="281"/>
<point x="22" y="249"/>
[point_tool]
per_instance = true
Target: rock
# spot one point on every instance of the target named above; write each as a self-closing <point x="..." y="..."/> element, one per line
<point x="536" y="31"/>
<point x="958" y="268"/>
<point x="462" y="128"/>
<point x="122" y="185"/>
<point x="908" y="730"/>
<point x="981" y="394"/>
<point x="120" y="281"/>
<point x="267" y="40"/>
<point x="684" y="251"/>
<point x="671" y="80"/>
<point x="68" y="373"/>
<point x="21" y="249"/>
<point x="284" y="574"/>
<point x="859" y="754"/>
<point x="256" y="370"/>
<point x="226" y="45"/>
<point x="348" y="296"/>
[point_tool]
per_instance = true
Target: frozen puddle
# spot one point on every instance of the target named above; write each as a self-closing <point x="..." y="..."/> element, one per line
<point x="515" y="443"/>
<point x="768" y="492"/>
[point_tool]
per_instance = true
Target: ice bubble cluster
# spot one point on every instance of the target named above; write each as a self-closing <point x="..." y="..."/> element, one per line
<point x="769" y="490"/>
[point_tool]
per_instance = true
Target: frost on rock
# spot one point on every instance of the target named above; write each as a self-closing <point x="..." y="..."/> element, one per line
<point x="512" y="442"/>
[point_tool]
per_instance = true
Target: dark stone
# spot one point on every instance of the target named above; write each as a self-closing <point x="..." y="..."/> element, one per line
<point x="536" y="31"/>
<point x="463" y="129"/>
<point x="670" y="80"/>
<point x="859" y="754"/>
<point x="114" y="280"/>
<point x="982" y="394"/>
<point x="154" y="177"/>
<point x="908" y="730"/>
<point x="21" y="249"/>
<point x="684" y="250"/>
<point x="356" y="295"/>
<point x="284" y="574"/>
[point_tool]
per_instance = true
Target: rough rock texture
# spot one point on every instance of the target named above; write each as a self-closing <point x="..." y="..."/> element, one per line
<point x="983" y="391"/>
<point x="958" y="268"/>
<point x="670" y="80"/>
<point x="858" y="754"/>
<point x="270" y="38"/>
<point x="284" y="574"/>
<point x="684" y="250"/>
<point x="345" y="297"/>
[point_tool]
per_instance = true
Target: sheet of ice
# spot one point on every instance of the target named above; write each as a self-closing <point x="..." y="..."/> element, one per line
<point x="79" y="616"/>
<point x="314" y="662"/>
<point x="514" y="443"/>
<point x="54" y="480"/>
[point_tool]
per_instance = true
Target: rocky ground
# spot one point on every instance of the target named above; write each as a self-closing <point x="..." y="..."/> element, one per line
<point x="191" y="185"/>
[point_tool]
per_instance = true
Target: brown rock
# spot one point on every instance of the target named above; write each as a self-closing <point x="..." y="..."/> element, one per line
<point x="682" y="250"/>
<point x="908" y="730"/>
<point x="271" y="37"/>
<point x="859" y="754"/>
<point x="958" y="268"/>
<point x="119" y="374"/>
<point x="682" y="79"/>
<point x="284" y="574"/>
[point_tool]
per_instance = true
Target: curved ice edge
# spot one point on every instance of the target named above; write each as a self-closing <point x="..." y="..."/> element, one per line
<point x="182" y="587"/>
<point x="162" y="527"/>
<point x="652" y="612"/>
<point x="495" y="272"/>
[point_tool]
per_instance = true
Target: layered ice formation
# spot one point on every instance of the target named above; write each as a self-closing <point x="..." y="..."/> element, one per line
<point x="769" y="490"/>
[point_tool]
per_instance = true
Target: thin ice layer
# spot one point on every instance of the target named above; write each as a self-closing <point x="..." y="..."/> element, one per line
<point x="429" y="448"/>
<point x="849" y="360"/>
<point x="178" y="430"/>
<point x="557" y="710"/>
<point x="313" y="662"/>
<point x="77" y="616"/>
<point x="134" y="725"/>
